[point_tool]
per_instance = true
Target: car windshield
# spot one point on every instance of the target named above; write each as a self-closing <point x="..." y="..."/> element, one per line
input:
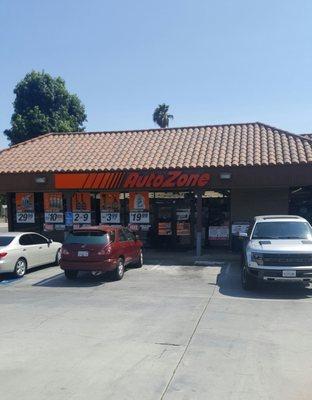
<point x="5" y="240"/>
<point x="88" y="237"/>
<point x="282" y="230"/>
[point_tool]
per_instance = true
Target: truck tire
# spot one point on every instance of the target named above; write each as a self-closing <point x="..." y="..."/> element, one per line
<point x="248" y="281"/>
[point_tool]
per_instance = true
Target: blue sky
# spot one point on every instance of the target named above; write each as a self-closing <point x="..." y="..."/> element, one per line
<point x="213" y="62"/>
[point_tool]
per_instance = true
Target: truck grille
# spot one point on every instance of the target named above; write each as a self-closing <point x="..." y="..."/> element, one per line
<point x="287" y="260"/>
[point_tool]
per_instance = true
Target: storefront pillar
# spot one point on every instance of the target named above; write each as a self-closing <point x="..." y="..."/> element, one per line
<point x="199" y="223"/>
<point x="68" y="199"/>
<point x="9" y="200"/>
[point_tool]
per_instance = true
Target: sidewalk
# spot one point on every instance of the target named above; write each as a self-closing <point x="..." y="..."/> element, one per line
<point x="210" y="256"/>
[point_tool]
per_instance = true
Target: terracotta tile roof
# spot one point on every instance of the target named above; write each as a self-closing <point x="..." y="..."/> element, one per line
<point x="250" y="144"/>
<point x="307" y="135"/>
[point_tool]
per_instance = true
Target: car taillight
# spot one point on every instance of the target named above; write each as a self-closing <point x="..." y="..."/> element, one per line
<point x="3" y="254"/>
<point x="104" y="252"/>
<point x="64" y="252"/>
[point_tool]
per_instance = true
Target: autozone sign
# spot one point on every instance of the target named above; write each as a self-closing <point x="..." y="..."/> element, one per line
<point x="169" y="180"/>
<point x="174" y="179"/>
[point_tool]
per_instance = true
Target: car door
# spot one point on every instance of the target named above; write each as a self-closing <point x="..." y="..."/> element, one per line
<point x="131" y="248"/>
<point x="124" y="245"/>
<point x="28" y="250"/>
<point x="44" y="252"/>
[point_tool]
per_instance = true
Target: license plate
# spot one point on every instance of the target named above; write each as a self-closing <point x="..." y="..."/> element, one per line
<point x="83" y="253"/>
<point x="289" y="274"/>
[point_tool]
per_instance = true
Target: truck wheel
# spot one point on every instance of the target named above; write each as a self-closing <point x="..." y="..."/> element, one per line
<point x="119" y="271"/>
<point x="248" y="281"/>
<point x="71" y="274"/>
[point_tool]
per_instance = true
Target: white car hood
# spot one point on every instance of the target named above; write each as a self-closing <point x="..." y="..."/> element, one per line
<point x="281" y="246"/>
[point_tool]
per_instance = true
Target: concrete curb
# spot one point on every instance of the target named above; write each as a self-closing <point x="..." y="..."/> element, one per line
<point x="206" y="263"/>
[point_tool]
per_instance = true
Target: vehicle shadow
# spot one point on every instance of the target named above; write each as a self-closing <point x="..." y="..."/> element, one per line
<point x="10" y="277"/>
<point x="229" y="284"/>
<point x="84" y="279"/>
<point x="188" y="258"/>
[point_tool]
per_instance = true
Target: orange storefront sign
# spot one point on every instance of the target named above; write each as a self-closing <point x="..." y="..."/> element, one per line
<point x="175" y="179"/>
<point x="93" y="180"/>
<point x="169" y="180"/>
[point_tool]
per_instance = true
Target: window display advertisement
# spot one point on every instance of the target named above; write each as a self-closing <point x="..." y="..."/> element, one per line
<point x="219" y="232"/>
<point x="25" y="208"/>
<point x="183" y="214"/>
<point x="240" y="227"/>
<point x="164" y="229"/>
<point x="53" y="208"/>
<point x="138" y="208"/>
<point x="110" y="208"/>
<point x="81" y="208"/>
<point x="183" y="229"/>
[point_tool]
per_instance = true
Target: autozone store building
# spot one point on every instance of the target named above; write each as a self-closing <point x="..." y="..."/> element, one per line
<point x="178" y="188"/>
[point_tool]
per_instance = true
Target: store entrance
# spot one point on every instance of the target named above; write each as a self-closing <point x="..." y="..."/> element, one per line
<point x="174" y="215"/>
<point x="173" y="222"/>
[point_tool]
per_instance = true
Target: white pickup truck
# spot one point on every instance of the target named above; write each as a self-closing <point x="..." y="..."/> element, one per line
<point x="277" y="248"/>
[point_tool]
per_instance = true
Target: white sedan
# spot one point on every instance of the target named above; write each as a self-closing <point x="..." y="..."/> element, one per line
<point x="20" y="251"/>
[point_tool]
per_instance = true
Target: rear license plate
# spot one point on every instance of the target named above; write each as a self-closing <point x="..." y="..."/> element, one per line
<point x="83" y="253"/>
<point x="289" y="274"/>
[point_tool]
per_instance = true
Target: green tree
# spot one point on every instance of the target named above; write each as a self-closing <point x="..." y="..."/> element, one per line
<point x="43" y="104"/>
<point x="161" y="116"/>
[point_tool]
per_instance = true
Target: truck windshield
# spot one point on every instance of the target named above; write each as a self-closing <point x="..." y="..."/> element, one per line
<point x="88" y="237"/>
<point x="282" y="230"/>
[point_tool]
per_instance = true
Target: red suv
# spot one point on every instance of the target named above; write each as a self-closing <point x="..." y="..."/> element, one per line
<point x="100" y="249"/>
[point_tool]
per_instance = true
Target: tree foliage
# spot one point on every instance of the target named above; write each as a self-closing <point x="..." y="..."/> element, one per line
<point x="43" y="104"/>
<point x="161" y="116"/>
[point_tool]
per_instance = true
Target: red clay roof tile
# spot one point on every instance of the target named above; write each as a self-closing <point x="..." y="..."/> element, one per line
<point x="252" y="144"/>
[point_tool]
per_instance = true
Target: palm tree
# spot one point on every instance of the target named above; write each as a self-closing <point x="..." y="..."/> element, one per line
<point x="161" y="116"/>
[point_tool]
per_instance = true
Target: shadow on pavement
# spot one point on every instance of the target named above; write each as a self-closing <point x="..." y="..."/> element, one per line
<point x="10" y="277"/>
<point x="7" y="279"/>
<point x="83" y="280"/>
<point x="230" y="285"/>
<point x="188" y="257"/>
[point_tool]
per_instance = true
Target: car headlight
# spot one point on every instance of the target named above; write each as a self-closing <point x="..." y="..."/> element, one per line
<point x="257" y="257"/>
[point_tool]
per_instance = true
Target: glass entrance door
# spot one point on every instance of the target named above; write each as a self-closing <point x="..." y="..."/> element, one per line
<point x="173" y="225"/>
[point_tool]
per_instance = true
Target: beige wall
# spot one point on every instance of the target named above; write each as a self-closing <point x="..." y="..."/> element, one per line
<point x="247" y="203"/>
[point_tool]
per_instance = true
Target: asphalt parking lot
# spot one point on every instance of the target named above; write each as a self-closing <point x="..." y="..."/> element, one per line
<point x="163" y="332"/>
